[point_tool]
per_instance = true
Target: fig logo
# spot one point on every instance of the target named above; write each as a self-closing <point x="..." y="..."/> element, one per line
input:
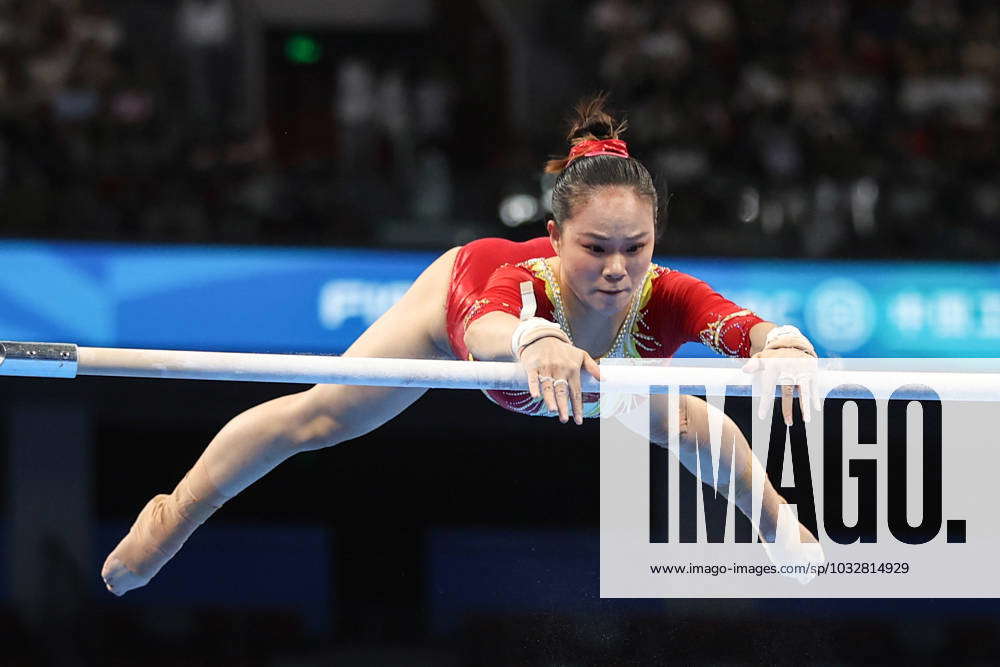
<point x="364" y="300"/>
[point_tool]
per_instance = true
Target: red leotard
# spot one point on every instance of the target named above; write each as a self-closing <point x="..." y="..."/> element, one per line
<point x="474" y="265"/>
<point x="674" y="308"/>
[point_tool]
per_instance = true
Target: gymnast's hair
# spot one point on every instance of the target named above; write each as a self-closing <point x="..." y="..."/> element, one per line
<point x="578" y="177"/>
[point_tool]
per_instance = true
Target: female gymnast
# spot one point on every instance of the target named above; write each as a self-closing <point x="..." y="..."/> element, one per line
<point x="555" y="304"/>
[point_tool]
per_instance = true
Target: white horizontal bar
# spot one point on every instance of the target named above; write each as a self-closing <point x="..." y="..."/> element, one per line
<point x="305" y="369"/>
<point x="63" y="360"/>
<point x="857" y="383"/>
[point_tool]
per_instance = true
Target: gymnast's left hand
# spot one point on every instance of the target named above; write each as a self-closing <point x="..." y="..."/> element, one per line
<point x="789" y="360"/>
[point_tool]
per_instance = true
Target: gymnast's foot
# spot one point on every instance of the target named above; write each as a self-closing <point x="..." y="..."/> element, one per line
<point x="795" y="545"/>
<point x="158" y="533"/>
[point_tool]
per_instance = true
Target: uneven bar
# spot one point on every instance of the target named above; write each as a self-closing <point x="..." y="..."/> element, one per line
<point x="67" y="361"/>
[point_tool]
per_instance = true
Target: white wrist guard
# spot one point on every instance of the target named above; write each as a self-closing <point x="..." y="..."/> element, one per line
<point x="532" y="329"/>
<point x="796" y="339"/>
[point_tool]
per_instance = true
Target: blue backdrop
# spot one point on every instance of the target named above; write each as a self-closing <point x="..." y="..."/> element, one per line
<point x="298" y="300"/>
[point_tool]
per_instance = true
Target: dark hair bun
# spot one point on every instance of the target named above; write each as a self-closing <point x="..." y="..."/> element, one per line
<point x="589" y="121"/>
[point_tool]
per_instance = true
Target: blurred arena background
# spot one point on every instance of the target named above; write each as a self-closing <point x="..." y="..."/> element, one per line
<point x="270" y="175"/>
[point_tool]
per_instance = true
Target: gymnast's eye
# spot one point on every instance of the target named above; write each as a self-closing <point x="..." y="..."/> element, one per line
<point x="595" y="248"/>
<point x="633" y="249"/>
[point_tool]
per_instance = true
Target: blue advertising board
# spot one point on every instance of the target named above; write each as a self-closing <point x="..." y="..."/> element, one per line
<point x="319" y="301"/>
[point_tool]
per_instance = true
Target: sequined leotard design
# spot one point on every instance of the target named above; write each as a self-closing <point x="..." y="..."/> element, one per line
<point x="672" y="308"/>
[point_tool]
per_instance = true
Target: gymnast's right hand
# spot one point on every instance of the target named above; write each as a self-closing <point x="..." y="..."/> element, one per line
<point x="553" y="368"/>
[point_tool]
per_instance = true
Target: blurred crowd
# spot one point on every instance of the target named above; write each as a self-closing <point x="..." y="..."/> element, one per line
<point x="775" y="127"/>
<point x="123" y="122"/>
<point x="135" y="121"/>
<point x="832" y="127"/>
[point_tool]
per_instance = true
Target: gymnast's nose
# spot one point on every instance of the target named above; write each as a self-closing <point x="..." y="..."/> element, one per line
<point x="614" y="268"/>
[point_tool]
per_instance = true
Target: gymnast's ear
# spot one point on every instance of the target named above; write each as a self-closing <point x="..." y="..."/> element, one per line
<point x="555" y="234"/>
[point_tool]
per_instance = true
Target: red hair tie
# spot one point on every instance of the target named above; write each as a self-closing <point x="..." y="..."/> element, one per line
<point x="591" y="147"/>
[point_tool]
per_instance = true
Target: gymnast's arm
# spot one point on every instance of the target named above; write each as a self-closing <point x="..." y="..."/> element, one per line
<point x="488" y="338"/>
<point x="545" y="353"/>
<point x="703" y="314"/>
<point x="758" y="336"/>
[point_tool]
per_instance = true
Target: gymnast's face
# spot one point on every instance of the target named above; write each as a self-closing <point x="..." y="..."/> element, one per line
<point x="605" y="248"/>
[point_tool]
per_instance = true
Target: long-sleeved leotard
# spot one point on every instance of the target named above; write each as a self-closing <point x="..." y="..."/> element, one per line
<point x="486" y="277"/>
<point x="673" y="308"/>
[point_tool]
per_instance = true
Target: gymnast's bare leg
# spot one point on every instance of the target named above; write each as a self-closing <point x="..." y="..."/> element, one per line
<point x="736" y="460"/>
<point x="257" y="440"/>
<point x="786" y="540"/>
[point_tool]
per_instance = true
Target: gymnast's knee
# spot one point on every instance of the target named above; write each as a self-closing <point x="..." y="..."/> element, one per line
<point x="660" y="428"/>
<point x="317" y="426"/>
<point x="683" y="423"/>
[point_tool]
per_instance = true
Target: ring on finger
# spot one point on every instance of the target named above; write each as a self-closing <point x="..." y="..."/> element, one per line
<point x="546" y="378"/>
<point x="560" y="381"/>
